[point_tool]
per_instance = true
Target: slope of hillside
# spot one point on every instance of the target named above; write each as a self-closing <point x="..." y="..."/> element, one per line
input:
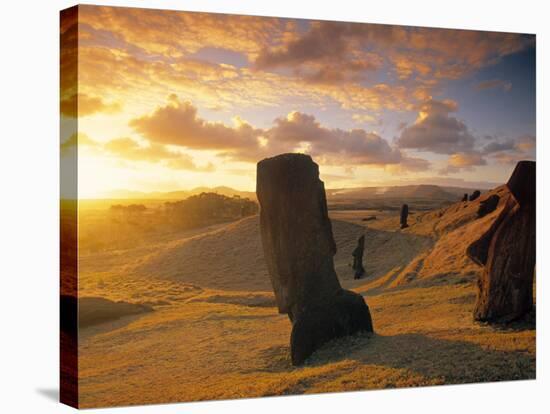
<point x="433" y="192"/>
<point x="215" y="332"/>
<point x="453" y="229"/>
<point x="231" y="258"/>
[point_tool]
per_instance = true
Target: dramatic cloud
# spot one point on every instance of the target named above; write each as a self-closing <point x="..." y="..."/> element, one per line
<point x="526" y="143"/>
<point x="409" y="164"/>
<point x="128" y="149"/>
<point x="131" y="50"/>
<point x="506" y="86"/>
<point x="178" y="123"/>
<point x="327" y="53"/>
<point x="436" y="131"/>
<point x="512" y="150"/>
<point x="333" y="146"/>
<point x="497" y="146"/>
<point x="346" y="50"/>
<point x="86" y="105"/>
<point x="331" y="89"/>
<point x="173" y="34"/>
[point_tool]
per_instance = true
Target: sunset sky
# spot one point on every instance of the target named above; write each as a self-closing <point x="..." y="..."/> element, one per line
<point x="174" y="100"/>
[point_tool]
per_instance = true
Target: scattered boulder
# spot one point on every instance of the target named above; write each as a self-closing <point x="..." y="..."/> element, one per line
<point x="357" y="254"/>
<point x="404" y="215"/>
<point x="507" y="252"/>
<point x="475" y="195"/>
<point x="369" y="218"/>
<point x="299" y="248"/>
<point x="488" y="205"/>
<point x="465" y="198"/>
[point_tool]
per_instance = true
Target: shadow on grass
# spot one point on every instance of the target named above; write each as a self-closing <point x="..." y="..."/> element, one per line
<point x="455" y="362"/>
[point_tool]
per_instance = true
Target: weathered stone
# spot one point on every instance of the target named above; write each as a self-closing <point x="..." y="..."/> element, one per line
<point x="488" y="205"/>
<point x="369" y="218"/>
<point x="475" y="195"/>
<point x="507" y="252"/>
<point x="299" y="247"/>
<point x="357" y="254"/>
<point x="404" y="215"/>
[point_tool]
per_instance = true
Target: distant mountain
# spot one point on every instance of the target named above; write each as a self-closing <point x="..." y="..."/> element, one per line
<point x="420" y="191"/>
<point x="433" y="192"/>
<point x="178" y="195"/>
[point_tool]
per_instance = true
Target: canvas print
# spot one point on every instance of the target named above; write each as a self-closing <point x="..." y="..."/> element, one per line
<point x="261" y="206"/>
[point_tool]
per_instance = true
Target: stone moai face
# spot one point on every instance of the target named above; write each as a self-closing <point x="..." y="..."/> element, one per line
<point x="296" y="231"/>
<point x="507" y="253"/>
<point x="299" y="247"/>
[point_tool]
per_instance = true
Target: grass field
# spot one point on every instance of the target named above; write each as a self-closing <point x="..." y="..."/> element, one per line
<point x="214" y="332"/>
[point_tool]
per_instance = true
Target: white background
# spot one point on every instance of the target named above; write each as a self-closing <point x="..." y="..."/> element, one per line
<point x="29" y="223"/>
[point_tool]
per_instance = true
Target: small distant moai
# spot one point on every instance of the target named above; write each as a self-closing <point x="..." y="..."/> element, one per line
<point x="357" y="254"/>
<point x="475" y="195"/>
<point x="404" y="215"/>
<point x="507" y="252"/>
<point x="488" y="205"/>
<point x="465" y="198"/>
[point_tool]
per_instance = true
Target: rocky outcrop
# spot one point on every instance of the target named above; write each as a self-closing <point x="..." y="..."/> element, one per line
<point x="475" y="195"/>
<point x="465" y="198"/>
<point x="358" y="269"/>
<point x="298" y="248"/>
<point x="507" y="252"/>
<point x="404" y="215"/>
<point x="488" y="205"/>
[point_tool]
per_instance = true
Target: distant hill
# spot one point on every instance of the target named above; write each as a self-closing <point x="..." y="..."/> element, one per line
<point x="178" y="195"/>
<point x="432" y="192"/>
<point x="337" y="195"/>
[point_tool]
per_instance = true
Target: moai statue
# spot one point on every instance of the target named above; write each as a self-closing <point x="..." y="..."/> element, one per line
<point x="507" y="252"/>
<point x="404" y="215"/>
<point x="488" y="205"/>
<point x="357" y="254"/>
<point x="299" y="247"/>
<point x="475" y="195"/>
<point x="465" y="198"/>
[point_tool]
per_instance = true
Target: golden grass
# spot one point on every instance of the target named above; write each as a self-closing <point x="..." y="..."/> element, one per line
<point x="219" y="340"/>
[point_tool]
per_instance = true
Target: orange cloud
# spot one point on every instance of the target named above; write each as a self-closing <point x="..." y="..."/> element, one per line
<point x="461" y="160"/>
<point x="436" y="131"/>
<point x="128" y="149"/>
<point x="126" y="50"/>
<point x="445" y="53"/>
<point x="512" y="151"/>
<point x="86" y="105"/>
<point x="174" y="34"/>
<point x="178" y="123"/>
<point x="323" y="55"/>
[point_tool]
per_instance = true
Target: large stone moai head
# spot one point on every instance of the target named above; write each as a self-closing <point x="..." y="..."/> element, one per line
<point x="299" y="247"/>
<point x="296" y="231"/>
<point x="507" y="252"/>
